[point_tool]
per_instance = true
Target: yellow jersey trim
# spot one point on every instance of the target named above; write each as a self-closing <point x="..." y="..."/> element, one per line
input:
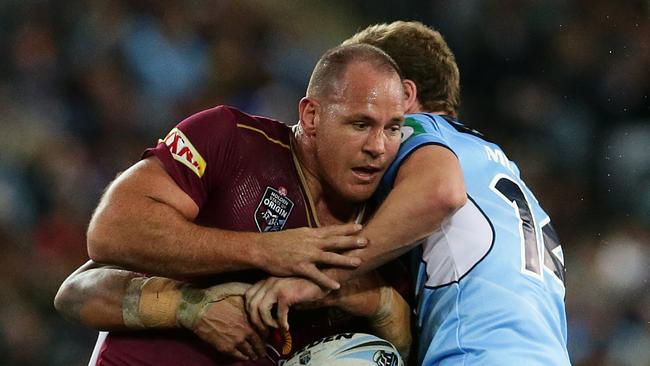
<point x="275" y="141"/>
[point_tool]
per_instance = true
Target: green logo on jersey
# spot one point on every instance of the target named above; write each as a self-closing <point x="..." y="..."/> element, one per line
<point x="411" y="128"/>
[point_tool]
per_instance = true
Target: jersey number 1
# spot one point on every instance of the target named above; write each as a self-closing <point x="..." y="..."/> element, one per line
<point x="512" y="193"/>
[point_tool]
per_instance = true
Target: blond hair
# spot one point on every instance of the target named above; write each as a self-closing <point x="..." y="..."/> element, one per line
<point x="423" y="57"/>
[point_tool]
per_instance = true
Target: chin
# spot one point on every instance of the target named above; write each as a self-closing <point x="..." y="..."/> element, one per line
<point x="360" y="195"/>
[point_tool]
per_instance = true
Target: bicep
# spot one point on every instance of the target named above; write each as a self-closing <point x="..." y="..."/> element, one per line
<point x="432" y="166"/>
<point x="148" y="180"/>
<point x="432" y="177"/>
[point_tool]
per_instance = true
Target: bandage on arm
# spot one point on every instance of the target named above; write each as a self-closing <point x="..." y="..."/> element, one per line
<point x="157" y="302"/>
<point x="392" y="320"/>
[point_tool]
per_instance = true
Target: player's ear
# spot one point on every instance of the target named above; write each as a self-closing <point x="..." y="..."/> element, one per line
<point x="411" y="96"/>
<point x="307" y="113"/>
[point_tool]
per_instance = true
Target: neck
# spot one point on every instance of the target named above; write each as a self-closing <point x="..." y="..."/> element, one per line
<point x="330" y="207"/>
<point x="416" y="107"/>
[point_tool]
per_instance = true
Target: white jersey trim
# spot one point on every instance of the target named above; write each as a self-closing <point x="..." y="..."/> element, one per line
<point x="463" y="241"/>
<point x="98" y="346"/>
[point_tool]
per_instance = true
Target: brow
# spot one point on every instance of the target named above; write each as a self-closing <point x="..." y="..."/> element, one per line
<point x="362" y="117"/>
<point x="400" y="120"/>
<point x="397" y="120"/>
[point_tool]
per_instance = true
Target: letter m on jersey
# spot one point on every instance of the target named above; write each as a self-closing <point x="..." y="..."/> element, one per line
<point x="497" y="156"/>
<point x="184" y="152"/>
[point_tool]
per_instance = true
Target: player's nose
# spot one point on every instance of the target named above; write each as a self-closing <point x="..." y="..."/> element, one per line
<point x="375" y="143"/>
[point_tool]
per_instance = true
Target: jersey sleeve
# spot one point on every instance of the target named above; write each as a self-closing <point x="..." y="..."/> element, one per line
<point x="418" y="130"/>
<point x="196" y="152"/>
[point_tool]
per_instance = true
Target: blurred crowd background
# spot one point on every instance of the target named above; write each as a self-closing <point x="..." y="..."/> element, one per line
<point x="87" y="85"/>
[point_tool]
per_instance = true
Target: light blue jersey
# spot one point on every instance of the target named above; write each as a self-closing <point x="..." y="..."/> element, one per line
<point x="490" y="283"/>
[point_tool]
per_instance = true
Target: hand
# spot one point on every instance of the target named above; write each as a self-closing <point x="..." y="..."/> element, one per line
<point x="296" y="252"/>
<point x="224" y="325"/>
<point x="218" y="316"/>
<point x="284" y="292"/>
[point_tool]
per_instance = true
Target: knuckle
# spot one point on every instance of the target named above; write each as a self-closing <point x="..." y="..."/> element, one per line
<point x="240" y="338"/>
<point x="282" y="297"/>
<point x="303" y="267"/>
<point x="228" y="348"/>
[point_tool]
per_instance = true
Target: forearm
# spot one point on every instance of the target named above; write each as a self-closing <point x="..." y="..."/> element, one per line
<point x="428" y="189"/>
<point x="391" y="233"/>
<point x="93" y="296"/>
<point x="164" y="243"/>
<point x="387" y="312"/>
<point x="392" y="321"/>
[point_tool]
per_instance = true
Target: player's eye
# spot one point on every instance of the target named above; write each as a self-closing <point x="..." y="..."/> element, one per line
<point x="394" y="130"/>
<point x="360" y="125"/>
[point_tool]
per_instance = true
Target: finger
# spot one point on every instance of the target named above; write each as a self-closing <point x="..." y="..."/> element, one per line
<point x="340" y="230"/>
<point x="254" y="312"/>
<point x="257" y="343"/>
<point x="264" y="295"/>
<point x="266" y="310"/>
<point x="238" y="355"/>
<point x="338" y="260"/>
<point x="283" y="315"/>
<point x="338" y="243"/>
<point x="247" y="350"/>
<point x="313" y="273"/>
<point x="250" y="294"/>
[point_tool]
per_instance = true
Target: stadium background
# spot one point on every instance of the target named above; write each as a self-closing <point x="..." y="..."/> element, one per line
<point x="85" y="86"/>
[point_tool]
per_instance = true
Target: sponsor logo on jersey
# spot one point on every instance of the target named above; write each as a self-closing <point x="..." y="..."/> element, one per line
<point x="273" y="210"/>
<point x="184" y="152"/>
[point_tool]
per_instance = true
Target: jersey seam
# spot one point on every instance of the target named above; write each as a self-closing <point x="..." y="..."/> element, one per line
<point x="478" y="262"/>
<point x="458" y="300"/>
<point x="275" y="141"/>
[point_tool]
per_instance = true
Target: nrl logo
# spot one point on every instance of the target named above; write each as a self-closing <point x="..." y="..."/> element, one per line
<point x="274" y="210"/>
<point x="383" y="358"/>
<point x="305" y="358"/>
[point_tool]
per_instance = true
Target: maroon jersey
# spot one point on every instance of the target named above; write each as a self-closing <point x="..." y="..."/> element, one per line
<point x="240" y="170"/>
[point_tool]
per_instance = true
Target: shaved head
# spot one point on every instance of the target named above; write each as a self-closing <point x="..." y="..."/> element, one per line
<point x="331" y="67"/>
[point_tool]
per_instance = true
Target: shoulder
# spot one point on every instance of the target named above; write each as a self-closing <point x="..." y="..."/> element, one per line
<point x="420" y="127"/>
<point x="261" y="128"/>
<point x="224" y="116"/>
<point x="219" y="116"/>
<point x="419" y="119"/>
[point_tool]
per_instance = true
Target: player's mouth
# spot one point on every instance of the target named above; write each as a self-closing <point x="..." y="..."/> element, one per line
<point x="367" y="173"/>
